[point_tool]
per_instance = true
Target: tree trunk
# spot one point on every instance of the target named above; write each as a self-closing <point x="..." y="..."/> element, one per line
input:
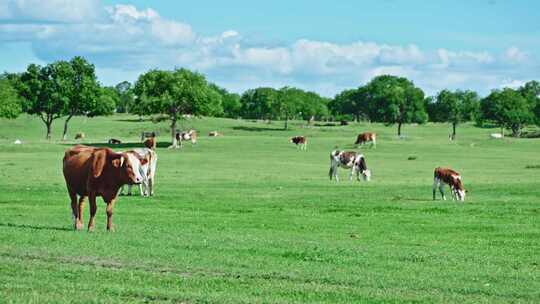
<point x="173" y="133"/>
<point x="286" y="122"/>
<point x="502" y="131"/>
<point x="48" y="123"/>
<point x="399" y="129"/>
<point x="64" y="134"/>
<point x="453" y="131"/>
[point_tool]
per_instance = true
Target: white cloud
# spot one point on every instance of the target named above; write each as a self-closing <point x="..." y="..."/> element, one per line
<point x="129" y="40"/>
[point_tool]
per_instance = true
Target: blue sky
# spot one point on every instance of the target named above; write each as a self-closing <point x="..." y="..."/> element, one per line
<point x="324" y="46"/>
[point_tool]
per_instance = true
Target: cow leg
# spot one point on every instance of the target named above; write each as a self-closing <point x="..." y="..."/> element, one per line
<point x="441" y="189"/>
<point x="436" y="183"/>
<point x="150" y="186"/>
<point x="74" y="209"/>
<point x="80" y="213"/>
<point x="110" y="206"/>
<point x="121" y="191"/>
<point x="129" y="190"/>
<point x="93" y="209"/>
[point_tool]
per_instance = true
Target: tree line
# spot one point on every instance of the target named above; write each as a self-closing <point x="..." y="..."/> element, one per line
<point x="64" y="89"/>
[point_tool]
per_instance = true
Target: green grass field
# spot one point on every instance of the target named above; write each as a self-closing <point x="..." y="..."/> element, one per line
<point x="246" y="218"/>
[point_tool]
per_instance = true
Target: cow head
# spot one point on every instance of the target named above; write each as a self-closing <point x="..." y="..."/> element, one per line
<point x="458" y="188"/>
<point x="124" y="167"/>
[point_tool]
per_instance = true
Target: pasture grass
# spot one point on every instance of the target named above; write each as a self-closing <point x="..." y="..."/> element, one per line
<point x="248" y="218"/>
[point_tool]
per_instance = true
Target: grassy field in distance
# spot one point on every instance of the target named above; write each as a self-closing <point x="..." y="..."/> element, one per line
<point x="247" y="218"/>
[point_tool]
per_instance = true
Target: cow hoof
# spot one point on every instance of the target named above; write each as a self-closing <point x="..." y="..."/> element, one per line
<point x="91" y="229"/>
<point x="111" y="229"/>
<point x="78" y="226"/>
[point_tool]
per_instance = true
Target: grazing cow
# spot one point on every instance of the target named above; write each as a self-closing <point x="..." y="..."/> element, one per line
<point x="114" y="141"/>
<point x="496" y="135"/>
<point x="299" y="141"/>
<point x="214" y="134"/>
<point x="145" y="135"/>
<point x="189" y="135"/>
<point x="349" y="160"/>
<point x="150" y="143"/>
<point x="93" y="172"/>
<point x="443" y="176"/>
<point x="80" y="135"/>
<point x="147" y="171"/>
<point x="365" y="137"/>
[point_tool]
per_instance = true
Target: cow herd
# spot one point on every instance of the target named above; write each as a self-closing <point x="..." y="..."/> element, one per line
<point x="92" y="172"/>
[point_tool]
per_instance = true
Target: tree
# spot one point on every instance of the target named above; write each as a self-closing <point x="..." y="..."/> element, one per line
<point x="45" y="92"/>
<point x="353" y="102"/>
<point x="258" y="103"/>
<point x="456" y="107"/>
<point x="230" y="102"/>
<point x="105" y="102"/>
<point x="176" y="93"/>
<point x="531" y="92"/>
<point x="126" y="97"/>
<point x="394" y="100"/>
<point x="10" y="102"/>
<point x="508" y="109"/>
<point x="83" y="89"/>
<point x="286" y="104"/>
<point x="313" y="106"/>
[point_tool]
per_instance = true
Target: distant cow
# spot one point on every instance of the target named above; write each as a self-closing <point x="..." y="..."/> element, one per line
<point x="299" y="141"/>
<point x="214" y="134"/>
<point x="114" y="141"/>
<point x="147" y="171"/>
<point x="443" y="176"/>
<point x="349" y="160"/>
<point x="80" y="135"/>
<point x="150" y="143"/>
<point x="145" y="135"/>
<point x="496" y="135"/>
<point x="365" y="137"/>
<point x="93" y="172"/>
<point x="188" y="135"/>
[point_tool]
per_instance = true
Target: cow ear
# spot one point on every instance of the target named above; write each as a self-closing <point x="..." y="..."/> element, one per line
<point x="98" y="162"/>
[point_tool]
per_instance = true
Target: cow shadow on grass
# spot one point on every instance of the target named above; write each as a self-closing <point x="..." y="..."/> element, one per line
<point x="122" y="146"/>
<point x="24" y="226"/>
<point x="257" y="129"/>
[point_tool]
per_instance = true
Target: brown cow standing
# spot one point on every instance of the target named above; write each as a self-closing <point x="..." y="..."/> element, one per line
<point x="443" y="176"/>
<point x="299" y="141"/>
<point x="93" y="172"/>
<point x="365" y="137"/>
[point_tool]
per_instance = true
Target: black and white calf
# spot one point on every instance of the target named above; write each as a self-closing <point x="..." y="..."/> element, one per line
<point x="348" y="160"/>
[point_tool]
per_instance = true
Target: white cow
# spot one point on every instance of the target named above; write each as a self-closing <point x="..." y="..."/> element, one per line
<point x="147" y="171"/>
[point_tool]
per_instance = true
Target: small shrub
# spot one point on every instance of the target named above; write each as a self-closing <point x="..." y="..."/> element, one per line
<point x="532" y="167"/>
<point x="412" y="157"/>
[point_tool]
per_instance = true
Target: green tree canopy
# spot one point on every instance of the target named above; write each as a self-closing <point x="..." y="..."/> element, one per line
<point x="45" y="91"/>
<point x="508" y="108"/>
<point x="10" y="102"/>
<point x="82" y="90"/>
<point x="174" y="94"/>
<point x="455" y="107"/>
<point x="394" y="100"/>
<point x="126" y="97"/>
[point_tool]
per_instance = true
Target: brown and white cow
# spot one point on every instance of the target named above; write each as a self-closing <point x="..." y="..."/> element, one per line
<point x="349" y="160"/>
<point x="299" y="141"/>
<point x="189" y="135"/>
<point x="150" y="143"/>
<point x="365" y="137"/>
<point x="448" y="176"/>
<point x="147" y="171"/>
<point x="94" y="172"/>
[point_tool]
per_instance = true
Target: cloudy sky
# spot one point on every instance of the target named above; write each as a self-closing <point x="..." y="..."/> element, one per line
<point x="325" y="46"/>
